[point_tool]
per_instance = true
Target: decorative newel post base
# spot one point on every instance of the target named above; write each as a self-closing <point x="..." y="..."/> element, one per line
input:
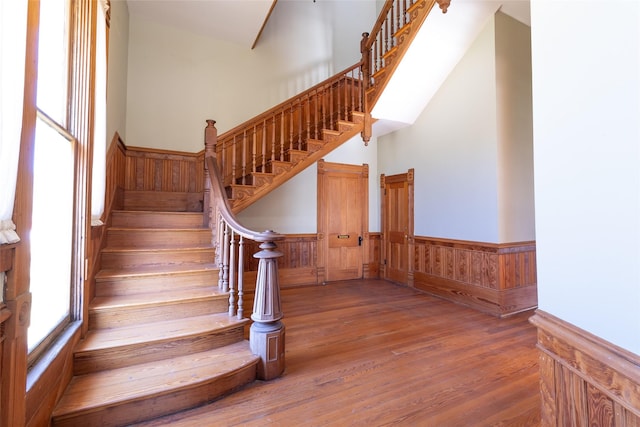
<point x="267" y="342"/>
<point x="266" y="336"/>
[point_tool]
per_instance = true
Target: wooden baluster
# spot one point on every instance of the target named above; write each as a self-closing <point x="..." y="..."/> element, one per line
<point x="385" y="26"/>
<point x="240" y="277"/>
<point x="345" y="94"/>
<point x="393" y="22"/>
<point x="405" y="18"/>
<point x="331" y="101"/>
<point x="232" y="273"/>
<point x="263" y="165"/>
<point x="225" y="260"/>
<point x="316" y="114"/>
<point x="323" y="107"/>
<point x="244" y="157"/>
<point x="282" y="136"/>
<point x="234" y="160"/>
<point x="219" y="255"/>
<point x="290" y="130"/>
<point x="273" y="139"/>
<point x="300" y="122"/>
<point x="308" y="111"/>
<point x="338" y="105"/>
<point x="253" y="154"/>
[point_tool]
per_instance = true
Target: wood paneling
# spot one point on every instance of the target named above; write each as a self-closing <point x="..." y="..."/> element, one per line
<point x="585" y="380"/>
<point x="164" y="170"/>
<point x="372" y="266"/>
<point x="495" y="278"/>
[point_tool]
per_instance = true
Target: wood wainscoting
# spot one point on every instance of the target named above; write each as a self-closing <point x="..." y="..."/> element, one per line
<point x="584" y="380"/>
<point x="499" y="279"/>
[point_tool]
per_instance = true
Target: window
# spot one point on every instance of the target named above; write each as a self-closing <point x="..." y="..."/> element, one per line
<point x="53" y="180"/>
<point x="66" y="108"/>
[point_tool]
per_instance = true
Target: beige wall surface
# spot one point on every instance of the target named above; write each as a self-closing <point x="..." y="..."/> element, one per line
<point x="117" y="70"/>
<point x="516" y="212"/>
<point x="453" y="148"/>
<point x="177" y="79"/>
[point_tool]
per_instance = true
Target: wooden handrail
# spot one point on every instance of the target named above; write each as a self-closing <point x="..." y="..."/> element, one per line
<point x="266" y="336"/>
<point x="219" y="198"/>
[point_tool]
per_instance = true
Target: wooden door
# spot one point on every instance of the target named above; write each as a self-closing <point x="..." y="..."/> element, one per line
<point x="397" y="220"/>
<point x="342" y="220"/>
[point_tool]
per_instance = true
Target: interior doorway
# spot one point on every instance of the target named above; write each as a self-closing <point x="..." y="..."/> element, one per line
<point x="397" y="227"/>
<point x="343" y="220"/>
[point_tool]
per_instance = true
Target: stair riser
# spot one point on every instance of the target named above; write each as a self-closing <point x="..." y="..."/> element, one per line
<point x="142" y="239"/>
<point x="129" y="412"/>
<point x="112" y="260"/>
<point x="119" y="357"/>
<point x="127" y="316"/>
<point x="152" y="284"/>
<point x="156" y="220"/>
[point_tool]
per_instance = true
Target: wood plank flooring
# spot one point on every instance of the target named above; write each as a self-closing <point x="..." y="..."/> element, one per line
<point x="371" y="353"/>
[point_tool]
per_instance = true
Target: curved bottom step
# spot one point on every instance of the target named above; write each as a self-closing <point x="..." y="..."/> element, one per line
<point x="141" y="392"/>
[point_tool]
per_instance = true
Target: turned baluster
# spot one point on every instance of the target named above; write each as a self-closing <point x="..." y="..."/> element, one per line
<point x="232" y="273"/>
<point x="220" y="251"/>
<point x="254" y="150"/>
<point x="386" y="34"/>
<point x="240" y="286"/>
<point x="263" y="164"/>
<point x="244" y="158"/>
<point x="308" y="117"/>
<point x="315" y="114"/>
<point x="300" y="122"/>
<point x="234" y="161"/>
<point x="225" y="259"/>
<point x="273" y="139"/>
<point x="290" y="130"/>
<point x="282" y="136"/>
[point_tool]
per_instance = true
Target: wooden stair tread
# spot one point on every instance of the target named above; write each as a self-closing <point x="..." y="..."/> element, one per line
<point x="154" y="270"/>
<point x="154" y="299"/>
<point x="90" y="392"/>
<point x="158" y="331"/>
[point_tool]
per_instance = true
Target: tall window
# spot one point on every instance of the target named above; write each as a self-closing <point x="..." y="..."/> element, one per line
<point x="52" y="234"/>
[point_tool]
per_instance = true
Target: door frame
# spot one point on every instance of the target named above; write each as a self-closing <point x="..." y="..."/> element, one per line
<point x="325" y="168"/>
<point x="392" y="179"/>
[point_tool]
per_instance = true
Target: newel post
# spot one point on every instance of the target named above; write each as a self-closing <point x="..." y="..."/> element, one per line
<point x="210" y="140"/>
<point x="266" y="336"/>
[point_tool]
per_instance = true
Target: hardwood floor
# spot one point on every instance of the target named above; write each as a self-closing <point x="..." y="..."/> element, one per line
<point x="371" y="353"/>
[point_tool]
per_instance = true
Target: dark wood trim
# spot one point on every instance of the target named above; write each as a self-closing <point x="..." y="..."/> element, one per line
<point x="585" y="380"/>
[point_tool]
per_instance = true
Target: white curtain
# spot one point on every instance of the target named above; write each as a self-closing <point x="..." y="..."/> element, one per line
<point x="13" y="38"/>
<point x="98" y="176"/>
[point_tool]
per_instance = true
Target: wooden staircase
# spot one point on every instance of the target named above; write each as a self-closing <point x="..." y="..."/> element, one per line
<point x="160" y="337"/>
<point x="261" y="154"/>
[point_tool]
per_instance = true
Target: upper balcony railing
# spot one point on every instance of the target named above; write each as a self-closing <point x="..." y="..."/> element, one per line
<point x="383" y="48"/>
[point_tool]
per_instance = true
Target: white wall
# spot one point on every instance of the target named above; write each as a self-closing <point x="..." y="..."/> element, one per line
<point x="117" y="70"/>
<point x="453" y="148"/>
<point x="292" y="208"/>
<point x="516" y="211"/>
<point x="178" y="79"/>
<point x="586" y="96"/>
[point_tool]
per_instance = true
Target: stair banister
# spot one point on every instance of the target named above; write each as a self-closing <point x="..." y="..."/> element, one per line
<point x="266" y="335"/>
